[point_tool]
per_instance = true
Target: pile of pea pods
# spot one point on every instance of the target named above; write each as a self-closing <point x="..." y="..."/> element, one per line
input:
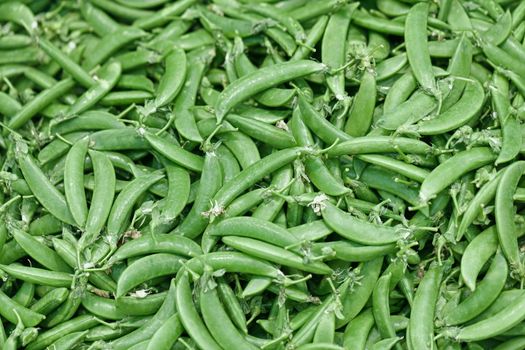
<point x="272" y="174"/>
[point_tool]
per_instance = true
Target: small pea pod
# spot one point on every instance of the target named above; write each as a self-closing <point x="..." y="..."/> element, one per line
<point x="211" y="181"/>
<point x="507" y="318"/>
<point x="43" y="189"/>
<point x="166" y="336"/>
<point x="123" y="205"/>
<point x="74" y="181"/>
<point x="101" y="200"/>
<point x="107" y="79"/>
<point x="358" y="230"/>
<point x="189" y="316"/>
<point x="39" y="251"/>
<point x="423" y="308"/>
<point x="173" y="78"/>
<point x="218" y="323"/>
<point x="417" y="47"/>
<point x="450" y="170"/>
<point x="486" y="292"/>
<point x="260" y="80"/>
<point x="362" y="110"/>
<point x="147" y="268"/>
<point x="10" y="309"/>
<point x="147" y="330"/>
<point x="333" y="49"/>
<point x="504" y="212"/>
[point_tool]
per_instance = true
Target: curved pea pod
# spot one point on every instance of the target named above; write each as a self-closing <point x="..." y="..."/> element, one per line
<point x="353" y="252"/>
<point x="417" y="47"/>
<point x="38" y="276"/>
<point x="166" y="336"/>
<point x="74" y="181"/>
<point x="66" y="63"/>
<point x="173" y="78"/>
<point x="263" y="132"/>
<point x="382" y="25"/>
<point x="358" y="230"/>
<point x="101" y="307"/>
<point x="218" y="322"/>
<point x="211" y="181"/>
<point x="274" y="254"/>
<point x="233" y="262"/>
<point x="148" y="244"/>
<point x="50" y="301"/>
<point x="147" y="268"/>
<point x="42" y="100"/>
<point x="43" y="189"/>
<point x="390" y="67"/>
<point x="20" y="14"/>
<point x="362" y="110"/>
<point x="486" y="292"/>
<point x="191" y="320"/>
<point x="320" y="126"/>
<point x="108" y="77"/>
<point x="123" y="205"/>
<point x="254" y="173"/>
<point x="48" y="337"/>
<point x="184" y="120"/>
<point x="147" y="330"/>
<point x="111" y="43"/>
<point x="504" y="212"/>
<point x="69" y="341"/>
<point x="333" y="48"/>
<point x="495" y="325"/>
<point x="423" y="308"/>
<point x="379" y="144"/>
<point x="178" y="190"/>
<point x="453" y="168"/>
<point x="462" y="112"/>
<point x="255" y="228"/>
<point x="10" y="309"/>
<point x="101" y="200"/>
<point x="175" y="153"/>
<point x="39" y="251"/>
<point x="136" y="306"/>
<point x="260" y="80"/>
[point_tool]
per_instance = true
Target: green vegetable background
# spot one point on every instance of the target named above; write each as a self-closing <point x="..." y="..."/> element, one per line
<point x="262" y="174"/>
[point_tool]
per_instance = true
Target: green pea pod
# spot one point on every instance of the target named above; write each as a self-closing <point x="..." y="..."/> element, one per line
<point x="191" y="320"/>
<point x="166" y="336"/>
<point x="74" y="181"/>
<point x="20" y="14"/>
<point x="423" y="308"/>
<point x="358" y="230"/>
<point x="147" y="268"/>
<point x="10" y="309"/>
<point x="39" y="251"/>
<point x="69" y="341"/>
<point x="260" y="80"/>
<point x="101" y="200"/>
<point x="450" y="170"/>
<point x="362" y="110"/>
<point x="486" y="292"/>
<point x="333" y="48"/>
<point x="123" y="205"/>
<point x="48" y="337"/>
<point x="173" y="78"/>
<point x="504" y="212"/>
<point x="108" y="77"/>
<point x="44" y="191"/>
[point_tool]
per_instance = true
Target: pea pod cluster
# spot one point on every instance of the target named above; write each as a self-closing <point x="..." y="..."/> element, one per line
<point x="273" y="174"/>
